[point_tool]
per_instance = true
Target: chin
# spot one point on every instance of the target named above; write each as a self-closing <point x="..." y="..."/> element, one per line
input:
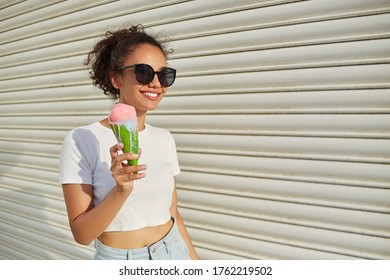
<point x="148" y="108"/>
<point x="152" y="107"/>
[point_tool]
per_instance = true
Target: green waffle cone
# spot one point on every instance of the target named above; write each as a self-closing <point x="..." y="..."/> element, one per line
<point x="130" y="142"/>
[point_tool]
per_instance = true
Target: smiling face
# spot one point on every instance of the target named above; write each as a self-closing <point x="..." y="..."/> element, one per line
<point x="142" y="97"/>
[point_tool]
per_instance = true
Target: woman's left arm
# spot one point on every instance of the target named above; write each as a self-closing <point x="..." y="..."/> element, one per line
<point x="182" y="228"/>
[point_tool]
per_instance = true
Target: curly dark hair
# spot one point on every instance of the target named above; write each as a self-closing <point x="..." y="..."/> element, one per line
<point x="110" y="53"/>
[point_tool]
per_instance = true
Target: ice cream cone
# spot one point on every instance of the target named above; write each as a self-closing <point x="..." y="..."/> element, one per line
<point x="124" y="124"/>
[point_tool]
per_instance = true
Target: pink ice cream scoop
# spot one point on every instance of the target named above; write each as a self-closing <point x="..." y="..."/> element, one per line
<point x="123" y="122"/>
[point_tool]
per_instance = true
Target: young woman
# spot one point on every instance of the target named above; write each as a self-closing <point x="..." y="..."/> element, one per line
<point x="130" y="212"/>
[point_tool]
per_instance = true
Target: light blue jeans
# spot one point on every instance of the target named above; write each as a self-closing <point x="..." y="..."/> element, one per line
<point x="170" y="247"/>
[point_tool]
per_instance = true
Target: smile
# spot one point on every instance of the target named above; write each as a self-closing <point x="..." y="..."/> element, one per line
<point x="150" y="95"/>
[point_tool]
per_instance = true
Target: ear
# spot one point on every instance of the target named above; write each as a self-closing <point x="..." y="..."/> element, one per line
<point x="115" y="81"/>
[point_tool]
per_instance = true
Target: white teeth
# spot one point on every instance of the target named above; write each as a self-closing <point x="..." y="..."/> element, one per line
<point x="151" y="94"/>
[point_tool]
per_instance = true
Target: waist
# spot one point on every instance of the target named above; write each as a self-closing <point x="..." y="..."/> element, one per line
<point x="135" y="238"/>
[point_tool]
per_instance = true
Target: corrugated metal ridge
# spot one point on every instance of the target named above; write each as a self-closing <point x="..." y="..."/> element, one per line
<point x="22" y="249"/>
<point x="77" y="13"/>
<point x="287" y="44"/>
<point x="62" y="65"/>
<point x="45" y="156"/>
<point x="265" y="89"/>
<point x="242" y="6"/>
<point x="276" y="111"/>
<point x="246" y="132"/>
<point x="75" y="48"/>
<point x="9" y="3"/>
<point x="53" y="190"/>
<point x="61" y="237"/>
<point x="278" y="89"/>
<point x="289" y="199"/>
<point x="28" y="8"/>
<point x="35" y="211"/>
<point x="234" y="152"/>
<point x="73" y="23"/>
<point x="42" y="172"/>
<point x="289" y="155"/>
<point x="22" y="139"/>
<point x="58" y="232"/>
<point x="206" y="111"/>
<point x="38" y="239"/>
<point x="29" y="191"/>
<point x="217" y="9"/>
<point x="71" y="93"/>
<point x="35" y="137"/>
<point x="177" y="37"/>
<point x="287" y="242"/>
<point x="287" y="221"/>
<point x="290" y="66"/>
<point x="74" y="93"/>
<point x="233" y="252"/>
<point x="14" y="182"/>
<point x="56" y="9"/>
<point x="293" y="88"/>
<point x="295" y="178"/>
<point x="321" y="134"/>
<point x="14" y="211"/>
<point x="287" y="22"/>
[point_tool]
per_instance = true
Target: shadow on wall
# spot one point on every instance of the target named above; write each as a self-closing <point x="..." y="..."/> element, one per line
<point x="32" y="218"/>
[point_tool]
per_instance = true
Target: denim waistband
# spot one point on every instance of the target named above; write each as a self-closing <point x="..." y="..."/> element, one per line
<point x="147" y="252"/>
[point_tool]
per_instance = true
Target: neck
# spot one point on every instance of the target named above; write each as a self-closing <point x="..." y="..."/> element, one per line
<point x="141" y="116"/>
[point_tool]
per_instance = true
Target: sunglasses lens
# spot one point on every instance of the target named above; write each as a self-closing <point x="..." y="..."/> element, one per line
<point x="144" y="74"/>
<point x="167" y="76"/>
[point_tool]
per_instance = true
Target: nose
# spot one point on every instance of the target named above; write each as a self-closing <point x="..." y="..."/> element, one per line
<point x="155" y="83"/>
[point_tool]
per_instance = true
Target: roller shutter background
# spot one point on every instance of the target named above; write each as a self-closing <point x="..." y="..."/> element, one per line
<point x="280" y="113"/>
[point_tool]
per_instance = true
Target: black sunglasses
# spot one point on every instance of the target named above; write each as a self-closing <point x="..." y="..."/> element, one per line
<point x="144" y="74"/>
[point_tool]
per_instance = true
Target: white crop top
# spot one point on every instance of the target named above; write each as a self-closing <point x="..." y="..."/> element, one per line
<point x="85" y="159"/>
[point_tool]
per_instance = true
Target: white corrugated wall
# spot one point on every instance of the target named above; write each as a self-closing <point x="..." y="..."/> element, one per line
<point x="280" y="113"/>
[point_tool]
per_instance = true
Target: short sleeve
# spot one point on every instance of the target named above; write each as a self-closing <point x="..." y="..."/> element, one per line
<point x="74" y="167"/>
<point x="175" y="168"/>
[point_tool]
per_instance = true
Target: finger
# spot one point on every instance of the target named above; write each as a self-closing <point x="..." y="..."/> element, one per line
<point x="132" y="169"/>
<point x="135" y="176"/>
<point x="126" y="157"/>
<point x="114" y="149"/>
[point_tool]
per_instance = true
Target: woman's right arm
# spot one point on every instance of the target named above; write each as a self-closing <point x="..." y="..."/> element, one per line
<point x="88" y="222"/>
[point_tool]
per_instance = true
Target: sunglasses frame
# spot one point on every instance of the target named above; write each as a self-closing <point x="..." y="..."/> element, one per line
<point x="154" y="73"/>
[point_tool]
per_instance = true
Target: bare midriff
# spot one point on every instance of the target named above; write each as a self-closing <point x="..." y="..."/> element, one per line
<point x="135" y="238"/>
